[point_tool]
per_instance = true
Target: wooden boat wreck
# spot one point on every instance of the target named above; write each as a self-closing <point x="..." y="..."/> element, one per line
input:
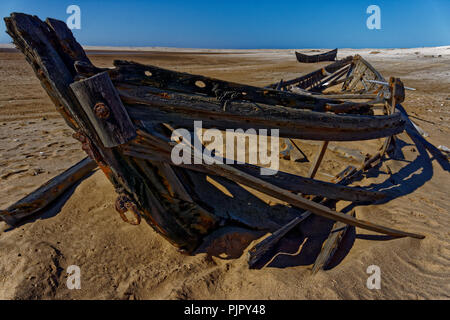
<point x="124" y="117"/>
<point x="307" y="58"/>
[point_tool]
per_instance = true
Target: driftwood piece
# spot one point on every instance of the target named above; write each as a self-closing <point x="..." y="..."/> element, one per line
<point x="47" y="193"/>
<point x="68" y="43"/>
<point x="105" y="110"/>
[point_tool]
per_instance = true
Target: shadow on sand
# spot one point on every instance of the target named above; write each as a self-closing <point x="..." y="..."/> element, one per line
<point x="302" y="245"/>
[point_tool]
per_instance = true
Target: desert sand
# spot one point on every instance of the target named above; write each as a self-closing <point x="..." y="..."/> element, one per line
<point x="121" y="261"/>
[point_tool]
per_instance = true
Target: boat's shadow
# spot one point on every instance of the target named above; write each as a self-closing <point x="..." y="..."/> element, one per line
<point x="302" y="245"/>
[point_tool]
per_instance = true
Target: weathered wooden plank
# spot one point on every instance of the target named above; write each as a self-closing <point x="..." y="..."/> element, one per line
<point x="160" y="149"/>
<point x="239" y="176"/>
<point x="131" y="73"/>
<point x="47" y="193"/>
<point x="329" y="77"/>
<point x="294" y="123"/>
<point x="298" y="184"/>
<point x="68" y="43"/>
<point x="302" y="203"/>
<point x="350" y="96"/>
<point x="101" y="102"/>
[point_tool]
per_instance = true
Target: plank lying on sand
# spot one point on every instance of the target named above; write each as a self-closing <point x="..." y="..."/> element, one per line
<point x="47" y="193"/>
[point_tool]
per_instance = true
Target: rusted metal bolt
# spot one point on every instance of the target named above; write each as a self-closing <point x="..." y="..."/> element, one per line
<point x="101" y="110"/>
<point x="79" y="136"/>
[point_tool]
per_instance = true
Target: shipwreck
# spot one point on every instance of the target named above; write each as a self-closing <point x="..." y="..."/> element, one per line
<point x="311" y="58"/>
<point x="124" y="118"/>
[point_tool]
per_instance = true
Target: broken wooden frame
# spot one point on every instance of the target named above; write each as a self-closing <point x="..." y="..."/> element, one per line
<point x="350" y="78"/>
<point x="121" y="116"/>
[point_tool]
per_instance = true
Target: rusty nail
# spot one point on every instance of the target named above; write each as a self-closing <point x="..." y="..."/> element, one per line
<point x="101" y="110"/>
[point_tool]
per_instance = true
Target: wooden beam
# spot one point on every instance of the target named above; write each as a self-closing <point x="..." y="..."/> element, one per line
<point x="302" y="203"/>
<point x="319" y="157"/>
<point x="101" y="102"/>
<point x="47" y="193"/>
<point x="157" y="150"/>
<point x="127" y="72"/>
<point x="149" y="104"/>
<point x="331" y="244"/>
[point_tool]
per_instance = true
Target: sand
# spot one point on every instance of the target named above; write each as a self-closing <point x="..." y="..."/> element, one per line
<point x="120" y="261"/>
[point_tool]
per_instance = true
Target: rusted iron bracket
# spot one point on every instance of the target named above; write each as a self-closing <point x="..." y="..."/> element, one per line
<point x="124" y="204"/>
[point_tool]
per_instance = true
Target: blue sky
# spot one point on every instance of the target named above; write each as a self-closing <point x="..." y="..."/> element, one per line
<point x="248" y="23"/>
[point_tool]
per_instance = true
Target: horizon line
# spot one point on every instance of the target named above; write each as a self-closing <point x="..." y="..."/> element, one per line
<point x="90" y="47"/>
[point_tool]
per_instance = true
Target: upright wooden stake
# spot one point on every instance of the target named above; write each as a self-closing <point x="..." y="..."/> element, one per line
<point x="319" y="157"/>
